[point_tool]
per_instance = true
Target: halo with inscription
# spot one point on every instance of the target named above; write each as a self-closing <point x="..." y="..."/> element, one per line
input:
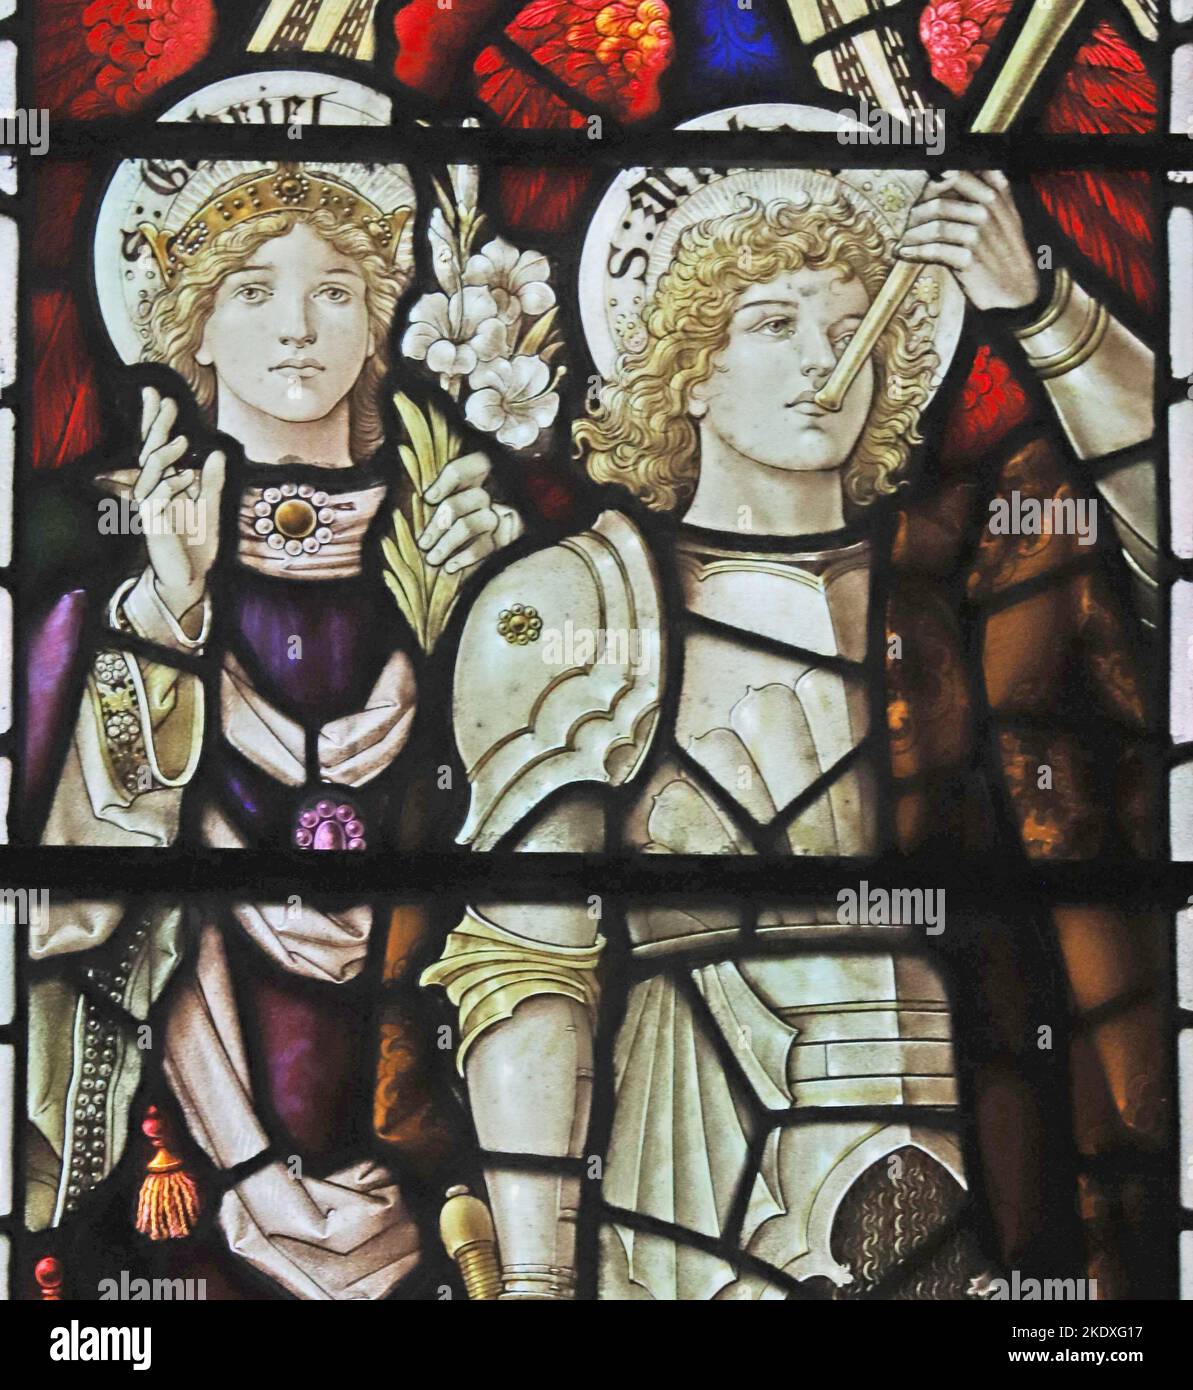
<point x="165" y="193"/>
<point x="634" y="231"/>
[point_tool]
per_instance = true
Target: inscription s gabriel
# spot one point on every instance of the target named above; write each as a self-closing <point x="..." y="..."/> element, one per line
<point x="168" y="177"/>
<point x="268" y="110"/>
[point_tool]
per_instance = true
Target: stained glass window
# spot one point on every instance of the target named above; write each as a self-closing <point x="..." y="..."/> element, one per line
<point x="596" y="621"/>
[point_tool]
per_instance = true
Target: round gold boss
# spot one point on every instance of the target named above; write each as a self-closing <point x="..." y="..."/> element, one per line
<point x="519" y="624"/>
<point x="295" y="519"/>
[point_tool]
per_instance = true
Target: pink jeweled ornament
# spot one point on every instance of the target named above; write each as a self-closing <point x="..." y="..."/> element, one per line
<point x="330" y="825"/>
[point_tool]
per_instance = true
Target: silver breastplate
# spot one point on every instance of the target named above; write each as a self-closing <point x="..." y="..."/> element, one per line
<point x="772" y="709"/>
<point x="766" y="754"/>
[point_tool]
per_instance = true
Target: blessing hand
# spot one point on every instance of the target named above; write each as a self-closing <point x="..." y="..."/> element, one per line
<point x="171" y="501"/>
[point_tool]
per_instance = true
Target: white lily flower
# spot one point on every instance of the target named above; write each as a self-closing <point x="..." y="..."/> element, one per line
<point x="510" y="399"/>
<point x="518" y="281"/>
<point x="465" y="178"/>
<point x="455" y="334"/>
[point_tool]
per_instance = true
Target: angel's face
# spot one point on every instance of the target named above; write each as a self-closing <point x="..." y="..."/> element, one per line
<point x="785" y="336"/>
<point x="289" y="331"/>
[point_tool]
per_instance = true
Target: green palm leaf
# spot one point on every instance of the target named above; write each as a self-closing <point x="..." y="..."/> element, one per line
<point x="424" y="595"/>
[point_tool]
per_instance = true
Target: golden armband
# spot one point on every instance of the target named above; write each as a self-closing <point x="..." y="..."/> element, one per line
<point x="151" y="731"/>
<point x="488" y="971"/>
<point x="1097" y="374"/>
<point x="149" y="714"/>
<point x="117" y="714"/>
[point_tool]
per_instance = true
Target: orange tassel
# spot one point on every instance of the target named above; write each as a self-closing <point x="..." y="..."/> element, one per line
<point x="168" y="1206"/>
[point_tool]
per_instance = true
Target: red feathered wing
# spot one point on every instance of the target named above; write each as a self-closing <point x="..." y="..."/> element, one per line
<point x="610" y="53"/>
<point x="1107" y="91"/>
<point x="66" y="414"/>
<point x="92" y="58"/>
<point x="957" y="35"/>
<point x="96" y="58"/>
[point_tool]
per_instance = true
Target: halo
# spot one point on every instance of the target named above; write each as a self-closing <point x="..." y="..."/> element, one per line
<point x="166" y="193"/>
<point x="634" y="231"/>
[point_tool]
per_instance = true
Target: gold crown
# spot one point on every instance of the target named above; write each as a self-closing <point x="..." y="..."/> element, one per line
<point x="287" y="188"/>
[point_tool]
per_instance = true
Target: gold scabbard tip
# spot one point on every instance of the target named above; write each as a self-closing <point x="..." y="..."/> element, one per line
<point x="466" y="1229"/>
<point x="464" y="1221"/>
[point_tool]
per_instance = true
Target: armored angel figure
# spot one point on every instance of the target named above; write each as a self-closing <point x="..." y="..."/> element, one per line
<point x="757" y="655"/>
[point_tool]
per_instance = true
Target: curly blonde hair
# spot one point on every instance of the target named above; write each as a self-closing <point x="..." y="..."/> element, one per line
<point x="179" y="315"/>
<point x="639" y="433"/>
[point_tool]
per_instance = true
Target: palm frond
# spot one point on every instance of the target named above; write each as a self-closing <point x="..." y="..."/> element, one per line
<point x="425" y="595"/>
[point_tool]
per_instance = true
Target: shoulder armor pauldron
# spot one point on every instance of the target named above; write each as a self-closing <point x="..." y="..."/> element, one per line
<point x="559" y="675"/>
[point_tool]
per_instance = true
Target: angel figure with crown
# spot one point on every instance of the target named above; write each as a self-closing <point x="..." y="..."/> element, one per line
<point x="786" y="1104"/>
<point x="252" y="686"/>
